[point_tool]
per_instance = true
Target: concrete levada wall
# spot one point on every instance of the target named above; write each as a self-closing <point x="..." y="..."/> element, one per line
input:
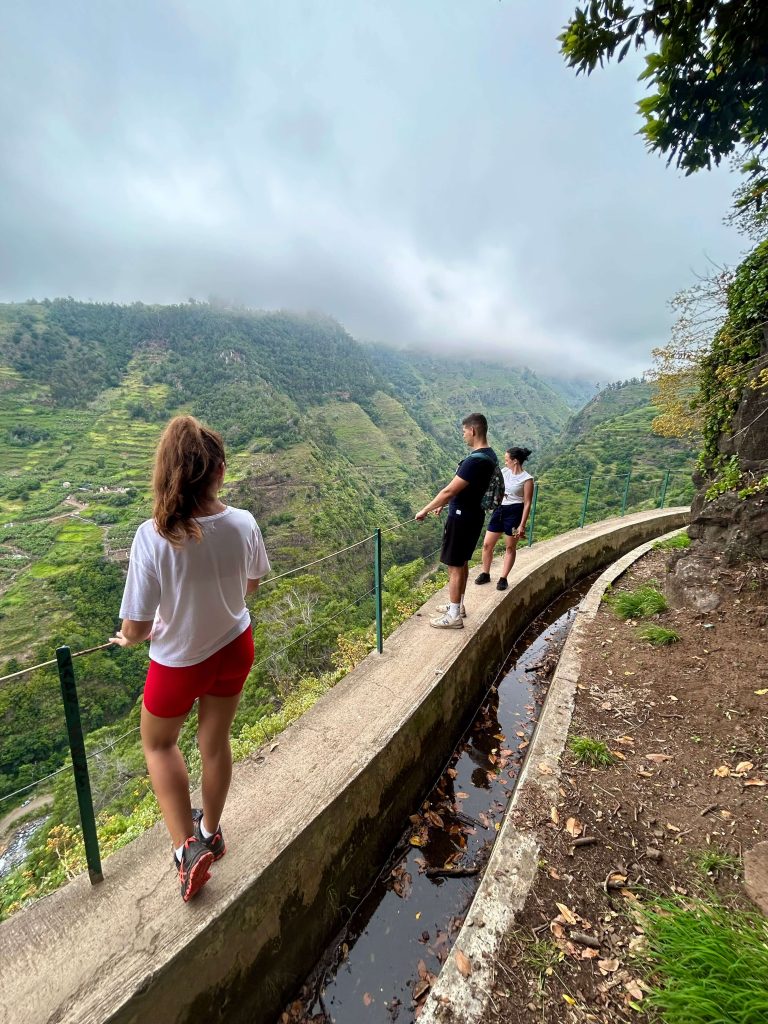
<point x="308" y="825"/>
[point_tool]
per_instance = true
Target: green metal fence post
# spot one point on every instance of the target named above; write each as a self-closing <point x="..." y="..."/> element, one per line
<point x="532" y="520"/>
<point x="377" y="585"/>
<point x="586" y="502"/>
<point x="79" y="762"/>
<point x="663" y="497"/>
<point x="626" y="493"/>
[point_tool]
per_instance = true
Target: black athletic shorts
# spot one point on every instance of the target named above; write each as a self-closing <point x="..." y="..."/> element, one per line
<point x="506" y="518"/>
<point x="460" y="536"/>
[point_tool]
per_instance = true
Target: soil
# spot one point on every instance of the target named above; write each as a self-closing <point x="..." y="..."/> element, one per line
<point x="688" y="725"/>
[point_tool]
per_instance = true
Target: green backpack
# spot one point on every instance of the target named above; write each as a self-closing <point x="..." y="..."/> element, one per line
<point x="494" y="493"/>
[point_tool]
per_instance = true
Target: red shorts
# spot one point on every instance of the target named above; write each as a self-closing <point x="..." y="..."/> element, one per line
<point x="170" y="692"/>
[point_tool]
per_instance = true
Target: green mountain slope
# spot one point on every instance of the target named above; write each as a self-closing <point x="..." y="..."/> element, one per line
<point x="607" y="439"/>
<point x="521" y="408"/>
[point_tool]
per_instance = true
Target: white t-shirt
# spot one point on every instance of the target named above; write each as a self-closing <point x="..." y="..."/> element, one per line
<point x="195" y="594"/>
<point x="513" y="486"/>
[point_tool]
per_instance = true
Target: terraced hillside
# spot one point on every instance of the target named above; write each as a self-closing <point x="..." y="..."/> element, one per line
<point x="608" y="439"/>
<point x="522" y="408"/>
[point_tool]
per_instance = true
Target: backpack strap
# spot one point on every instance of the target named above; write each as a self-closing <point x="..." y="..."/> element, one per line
<point x="483" y="455"/>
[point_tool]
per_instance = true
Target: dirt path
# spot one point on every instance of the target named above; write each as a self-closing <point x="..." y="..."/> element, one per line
<point x="685" y="795"/>
<point x="35" y="804"/>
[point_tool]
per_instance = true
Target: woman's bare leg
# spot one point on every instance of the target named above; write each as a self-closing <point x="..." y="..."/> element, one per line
<point x="509" y="556"/>
<point x="216" y="715"/>
<point x="490" y="542"/>
<point x="168" y="772"/>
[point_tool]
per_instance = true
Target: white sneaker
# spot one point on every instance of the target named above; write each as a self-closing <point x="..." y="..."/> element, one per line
<point x="447" y="622"/>
<point x="445" y="608"/>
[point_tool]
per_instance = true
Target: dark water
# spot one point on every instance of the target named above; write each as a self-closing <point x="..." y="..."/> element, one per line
<point x="379" y="968"/>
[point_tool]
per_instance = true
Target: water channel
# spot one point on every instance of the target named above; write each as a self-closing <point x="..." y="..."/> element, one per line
<point x="380" y="967"/>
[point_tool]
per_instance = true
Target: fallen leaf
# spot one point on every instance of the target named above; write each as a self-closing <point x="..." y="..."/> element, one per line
<point x="416" y="841"/>
<point x="554" y="815"/>
<point x="726" y="815"/>
<point x="646" y="775"/>
<point x="462" y="796"/>
<point x="452" y="772"/>
<point x="418" y="914"/>
<point x="557" y="929"/>
<point x="463" y="963"/>
<point x="606" y="966"/>
<point x="761" y="693"/>
<point x="722" y="772"/>
<point x="419" y="989"/>
<point x="618" y="753"/>
<point x="755" y="782"/>
<point x="671" y="827"/>
<point x="626" y="741"/>
<point x="743" y="767"/>
<point x="546" y="769"/>
<point x="568" y="915"/>
<point x="574" y="827"/>
<point x="569" y="999"/>
<point x="658" y="758"/>
<point x="367" y="998"/>
<point x="634" y="989"/>
<point x="421" y="967"/>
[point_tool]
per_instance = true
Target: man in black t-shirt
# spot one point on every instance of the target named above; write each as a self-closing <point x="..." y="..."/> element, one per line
<point x="463" y="495"/>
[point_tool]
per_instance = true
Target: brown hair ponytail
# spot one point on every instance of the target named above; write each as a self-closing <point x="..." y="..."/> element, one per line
<point x="186" y="463"/>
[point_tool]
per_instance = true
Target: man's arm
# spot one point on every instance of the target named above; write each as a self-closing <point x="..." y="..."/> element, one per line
<point x="132" y="632"/>
<point x="443" y="497"/>
<point x="252" y="586"/>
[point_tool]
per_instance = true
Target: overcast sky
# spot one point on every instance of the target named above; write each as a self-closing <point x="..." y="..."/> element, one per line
<point x="429" y="172"/>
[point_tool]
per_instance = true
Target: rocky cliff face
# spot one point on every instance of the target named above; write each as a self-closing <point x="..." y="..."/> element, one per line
<point x="730" y="529"/>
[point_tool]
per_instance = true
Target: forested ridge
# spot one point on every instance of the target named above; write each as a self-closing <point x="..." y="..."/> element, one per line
<point x="326" y="439"/>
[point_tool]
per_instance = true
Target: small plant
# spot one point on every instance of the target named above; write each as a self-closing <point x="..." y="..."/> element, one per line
<point x="714" y="861"/>
<point x="590" y="752"/>
<point x="709" y="963"/>
<point x="658" y="636"/>
<point x="680" y="540"/>
<point x="542" y="957"/>
<point x="638" y="604"/>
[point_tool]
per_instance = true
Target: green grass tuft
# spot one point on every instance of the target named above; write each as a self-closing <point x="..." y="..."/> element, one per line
<point x="714" y="861"/>
<point x="680" y="540"/>
<point x="638" y="604"/>
<point x="591" y="752"/>
<point x="709" y="962"/>
<point x="658" y="636"/>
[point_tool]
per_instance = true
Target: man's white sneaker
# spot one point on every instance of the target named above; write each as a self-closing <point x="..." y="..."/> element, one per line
<point x="447" y="622"/>
<point x="445" y="608"/>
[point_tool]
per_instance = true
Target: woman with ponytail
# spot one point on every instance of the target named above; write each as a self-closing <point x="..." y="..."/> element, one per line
<point x="511" y="517"/>
<point x="191" y="567"/>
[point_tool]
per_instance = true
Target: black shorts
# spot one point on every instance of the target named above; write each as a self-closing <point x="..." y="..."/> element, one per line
<point x="506" y="518"/>
<point x="460" y="537"/>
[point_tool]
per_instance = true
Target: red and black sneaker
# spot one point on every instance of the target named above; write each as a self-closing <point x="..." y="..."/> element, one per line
<point x="215" y="843"/>
<point x="193" y="867"/>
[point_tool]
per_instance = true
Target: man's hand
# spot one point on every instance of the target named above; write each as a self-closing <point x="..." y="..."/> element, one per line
<point x="119" y="639"/>
<point x="421" y="516"/>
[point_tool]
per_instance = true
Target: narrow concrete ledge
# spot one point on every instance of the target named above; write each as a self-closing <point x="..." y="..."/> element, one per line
<point x="512" y="867"/>
<point x="308" y="826"/>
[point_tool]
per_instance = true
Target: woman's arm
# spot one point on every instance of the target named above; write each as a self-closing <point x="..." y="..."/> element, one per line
<point x="132" y="632"/>
<point x="527" y="499"/>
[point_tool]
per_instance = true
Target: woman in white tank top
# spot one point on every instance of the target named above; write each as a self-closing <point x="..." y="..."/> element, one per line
<point x="510" y="518"/>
